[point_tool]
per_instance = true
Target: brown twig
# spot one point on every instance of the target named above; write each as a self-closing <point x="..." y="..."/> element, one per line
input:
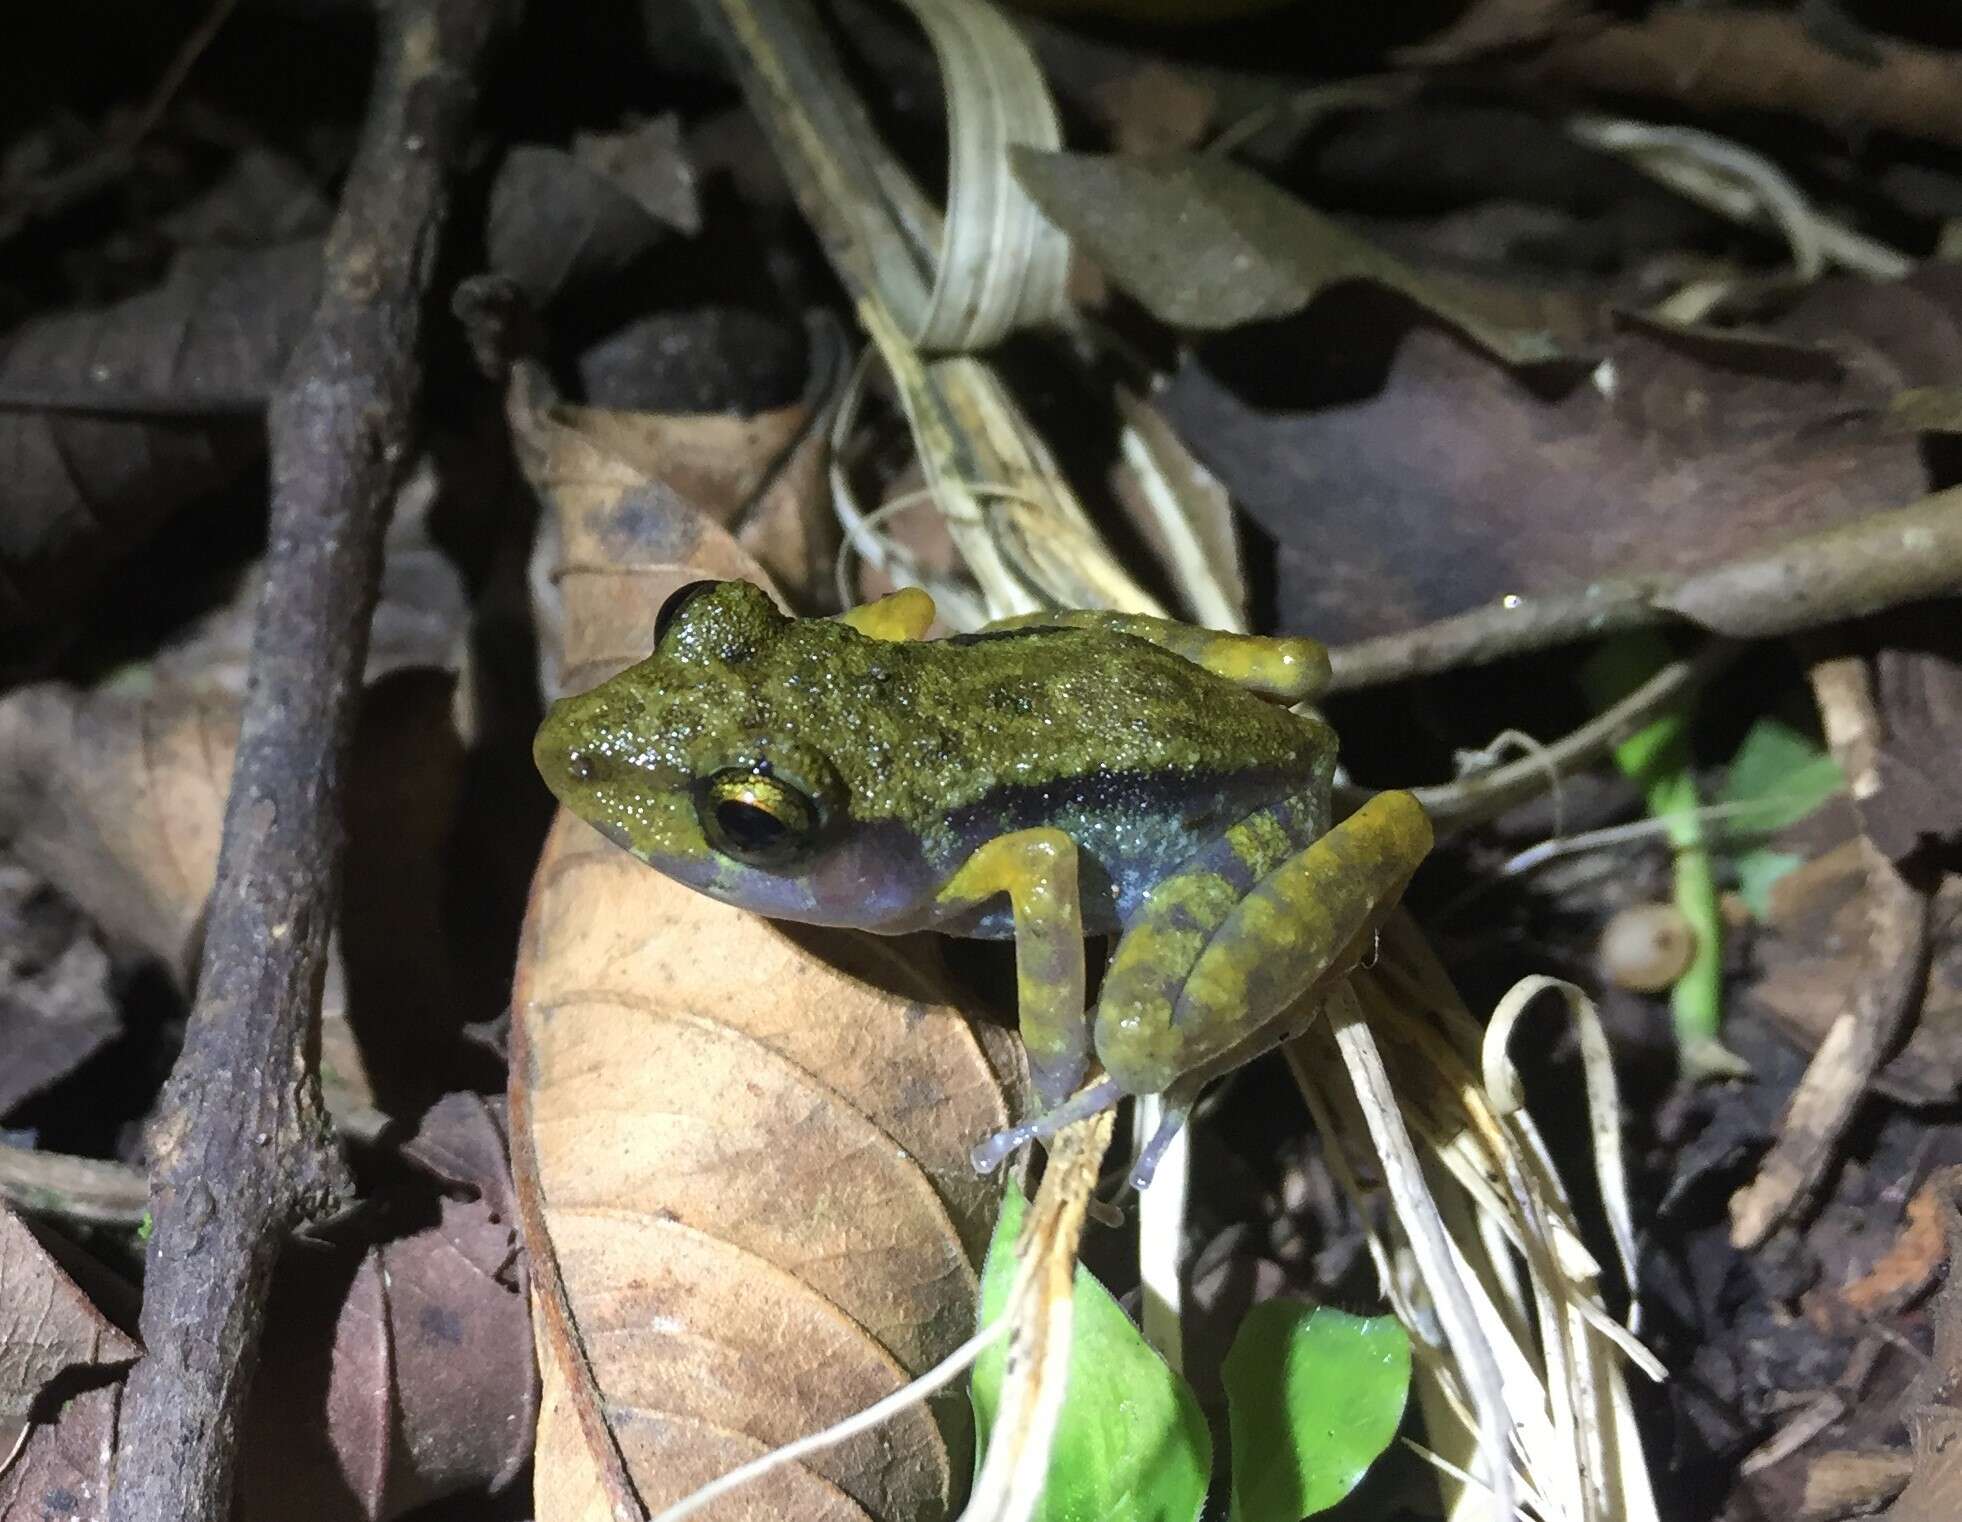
<point x="1758" y="60"/>
<point x="243" y="1150"/>
<point x="1864" y="1036"/>
<point x="1857" y="568"/>
<point x="113" y="158"/>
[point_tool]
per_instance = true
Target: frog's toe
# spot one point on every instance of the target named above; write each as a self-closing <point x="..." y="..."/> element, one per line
<point x="1178" y="1102"/>
<point x="995" y="1149"/>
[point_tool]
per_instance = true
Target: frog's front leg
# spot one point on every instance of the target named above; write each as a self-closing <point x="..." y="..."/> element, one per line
<point x="1178" y="1009"/>
<point x="1037" y="870"/>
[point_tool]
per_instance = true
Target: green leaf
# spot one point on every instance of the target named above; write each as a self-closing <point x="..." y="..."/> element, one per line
<point x="1131" y="1444"/>
<point x="1657" y="757"/>
<point x="1758" y="871"/>
<point x="1778" y="776"/>
<point x="1314" y="1395"/>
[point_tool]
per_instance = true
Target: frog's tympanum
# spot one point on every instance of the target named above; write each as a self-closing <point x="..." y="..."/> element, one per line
<point x="1051" y="776"/>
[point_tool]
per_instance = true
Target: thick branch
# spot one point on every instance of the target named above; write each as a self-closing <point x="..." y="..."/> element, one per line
<point x="243" y="1150"/>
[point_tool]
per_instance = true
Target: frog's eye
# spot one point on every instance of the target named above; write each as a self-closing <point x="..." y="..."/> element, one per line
<point x="756" y="816"/>
<point x="678" y="599"/>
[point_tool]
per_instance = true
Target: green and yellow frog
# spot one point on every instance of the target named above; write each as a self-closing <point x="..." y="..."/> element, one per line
<point x="1052" y="776"/>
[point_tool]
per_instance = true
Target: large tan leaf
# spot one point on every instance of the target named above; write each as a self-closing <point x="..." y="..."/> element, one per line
<point x="741" y="1150"/>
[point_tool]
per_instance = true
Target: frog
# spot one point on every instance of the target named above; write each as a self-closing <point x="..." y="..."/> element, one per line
<point x="1046" y="778"/>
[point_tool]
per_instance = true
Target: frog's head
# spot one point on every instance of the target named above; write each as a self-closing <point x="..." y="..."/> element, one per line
<point x="704" y="761"/>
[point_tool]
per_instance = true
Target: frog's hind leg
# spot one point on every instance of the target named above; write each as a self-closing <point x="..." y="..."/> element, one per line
<point x="1288" y="669"/>
<point x="1213" y="962"/>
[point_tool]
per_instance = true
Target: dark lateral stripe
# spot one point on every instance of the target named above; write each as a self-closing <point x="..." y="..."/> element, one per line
<point x="995" y="636"/>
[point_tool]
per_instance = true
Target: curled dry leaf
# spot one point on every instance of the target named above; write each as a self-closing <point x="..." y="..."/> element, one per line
<point x="757" y="477"/>
<point x="61" y="1368"/>
<point x="741" y="1153"/>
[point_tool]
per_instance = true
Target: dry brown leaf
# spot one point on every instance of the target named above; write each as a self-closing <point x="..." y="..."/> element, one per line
<point x="742" y="1164"/>
<point x="61" y="1366"/>
<point x="111" y="420"/>
<point x="396" y="1372"/>
<point x="760" y="477"/>
<point x="1416" y="480"/>
<point x="117" y="798"/>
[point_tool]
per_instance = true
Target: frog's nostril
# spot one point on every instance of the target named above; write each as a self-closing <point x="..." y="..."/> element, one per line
<point x="579" y="766"/>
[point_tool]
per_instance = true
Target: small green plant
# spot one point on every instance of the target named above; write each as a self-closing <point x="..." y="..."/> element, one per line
<point x="1313" y="1397"/>
<point x="1776" y="778"/>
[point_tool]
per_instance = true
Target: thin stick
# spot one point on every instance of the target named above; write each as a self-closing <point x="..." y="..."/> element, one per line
<point x="1837" y="573"/>
<point x="1456" y="805"/>
<point x="243" y="1149"/>
<point x="1864" y="1036"/>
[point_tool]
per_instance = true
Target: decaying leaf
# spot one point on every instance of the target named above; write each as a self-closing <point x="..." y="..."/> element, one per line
<point x="1207" y="244"/>
<point x="112" y="420"/>
<point x="399" y="1370"/>
<point x="741" y="1152"/>
<point x="61" y="1368"/>
<point x="1934" y="1405"/>
<point x="1812" y="964"/>
<point x="1424" y="480"/>
<point x="758" y="477"/>
<point x="1918" y="687"/>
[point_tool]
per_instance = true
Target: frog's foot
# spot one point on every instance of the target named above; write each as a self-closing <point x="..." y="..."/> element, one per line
<point x="1178" y="1102"/>
<point x="996" y="1149"/>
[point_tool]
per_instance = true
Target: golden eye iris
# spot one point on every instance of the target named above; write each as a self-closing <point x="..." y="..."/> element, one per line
<point x="756" y="817"/>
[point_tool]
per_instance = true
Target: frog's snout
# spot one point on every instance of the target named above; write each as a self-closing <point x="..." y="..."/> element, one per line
<point x="566" y="764"/>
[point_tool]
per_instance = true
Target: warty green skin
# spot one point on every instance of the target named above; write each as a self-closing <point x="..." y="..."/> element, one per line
<point x="920" y="752"/>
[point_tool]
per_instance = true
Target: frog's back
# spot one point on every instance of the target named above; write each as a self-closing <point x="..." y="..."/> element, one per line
<point x="1140" y="755"/>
